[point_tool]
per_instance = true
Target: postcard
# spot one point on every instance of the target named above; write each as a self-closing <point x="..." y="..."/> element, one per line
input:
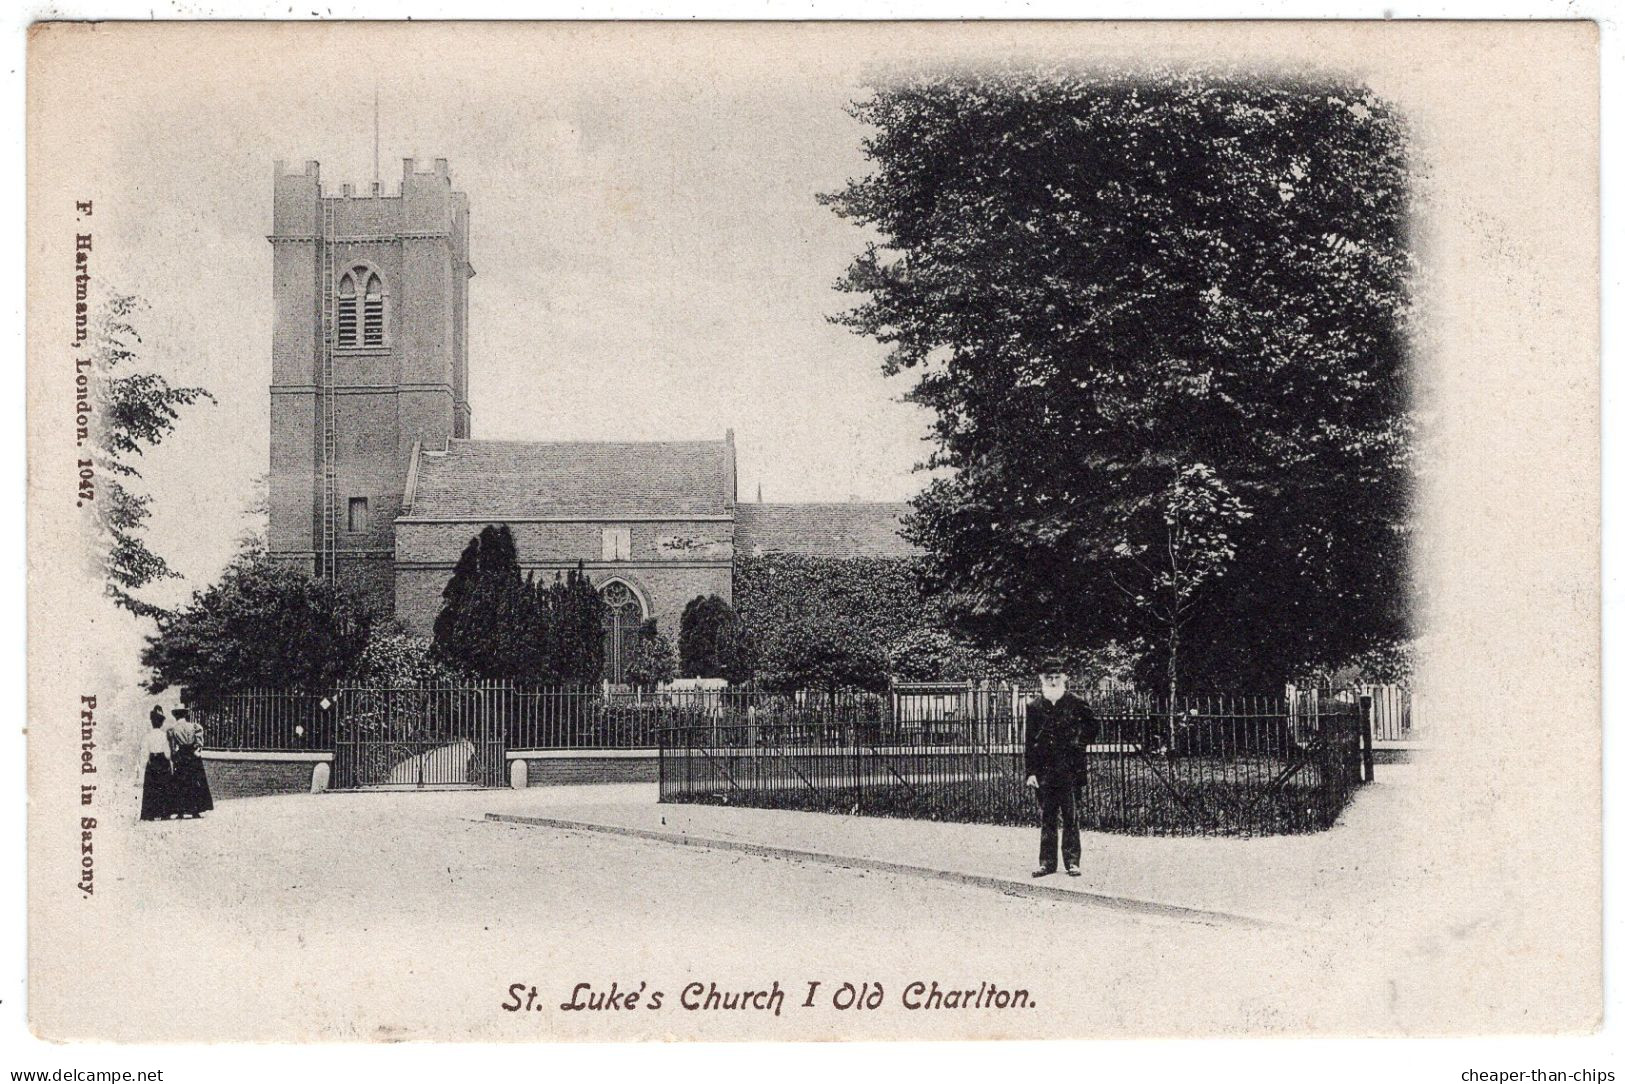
<point x="813" y="531"/>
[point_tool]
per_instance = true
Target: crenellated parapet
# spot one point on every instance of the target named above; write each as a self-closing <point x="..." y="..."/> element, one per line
<point x="423" y="206"/>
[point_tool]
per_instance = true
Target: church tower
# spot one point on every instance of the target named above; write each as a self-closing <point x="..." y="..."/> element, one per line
<point x="368" y="361"/>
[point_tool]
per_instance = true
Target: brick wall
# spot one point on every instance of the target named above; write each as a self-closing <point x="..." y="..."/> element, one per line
<point x="573" y="541"/>
<point x="556" y="771"/>
<point x="251" y="778"/>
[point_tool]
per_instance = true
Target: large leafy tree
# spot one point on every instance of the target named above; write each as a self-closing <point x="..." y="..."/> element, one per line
<point x="263" y="624"/>
<point x="132" y="409"/>
<point x="1118" y="296"/>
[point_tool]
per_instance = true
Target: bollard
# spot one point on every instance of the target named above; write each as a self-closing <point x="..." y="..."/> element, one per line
<point x="319" y="776"/>
<point x="518" y="774"/>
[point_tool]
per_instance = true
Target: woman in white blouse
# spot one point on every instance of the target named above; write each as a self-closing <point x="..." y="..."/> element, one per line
<point x="157" y="783"/>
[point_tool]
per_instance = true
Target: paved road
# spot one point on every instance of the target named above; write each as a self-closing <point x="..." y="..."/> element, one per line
<point x="408" y="915"/>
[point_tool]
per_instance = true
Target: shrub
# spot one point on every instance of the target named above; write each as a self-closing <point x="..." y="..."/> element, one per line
<point x="709" y="640"/>
<point x="263" y="624"/>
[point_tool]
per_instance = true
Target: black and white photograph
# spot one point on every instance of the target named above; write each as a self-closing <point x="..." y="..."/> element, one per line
<point x="813" y="531"/>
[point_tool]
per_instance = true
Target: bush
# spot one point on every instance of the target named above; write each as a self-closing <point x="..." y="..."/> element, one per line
<point x="394" y="657"/>
<point x="1212" y="807"/>
<point x="264" y="624"/>
<point x="880" y="611"/>
<point x="652" y="662"/>
<point x="496" y="624"/>
<point x="710" y="642"/>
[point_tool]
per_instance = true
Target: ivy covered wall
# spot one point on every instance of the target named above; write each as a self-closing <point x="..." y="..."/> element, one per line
<point x="869" y="615"/>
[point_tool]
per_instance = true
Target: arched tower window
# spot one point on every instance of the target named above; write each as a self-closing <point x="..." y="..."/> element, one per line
<point x="347" y="313"/>
<point x="623" y="616"/>
<point x="372" y="313"/>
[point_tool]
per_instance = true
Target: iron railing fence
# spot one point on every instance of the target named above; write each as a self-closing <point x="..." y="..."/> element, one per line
<point x="587" y="718"/>
<point x="429" y="735"/>
<point x="546" y="717"/>
<point x="1211" y="765"/>
<point x="266" y="720"/>
<point x="560" y="718"/>
<point x="1394" y="715"/>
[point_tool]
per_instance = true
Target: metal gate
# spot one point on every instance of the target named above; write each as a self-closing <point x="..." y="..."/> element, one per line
<point x="414" y="738"/>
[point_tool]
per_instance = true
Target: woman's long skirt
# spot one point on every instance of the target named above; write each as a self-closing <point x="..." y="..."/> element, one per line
<point x="157" y="789"/>
<point x="191" y="783"/>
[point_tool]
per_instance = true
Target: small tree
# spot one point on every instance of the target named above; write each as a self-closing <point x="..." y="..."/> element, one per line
<point x="488" y="625"/>
<point x="709" y="639"/>
<point x="131" y="410"/>
<point x="653" y="661"/>
<point x="1189" y="524"/>
<point x="576" y="621"/>
<point x="263" y="624"/>
<point x="448" y="623"/>
<point x="394" y="657"/>
<point x="534" y="632"/>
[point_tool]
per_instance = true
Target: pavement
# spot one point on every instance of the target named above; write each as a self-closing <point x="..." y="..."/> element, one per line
<point x="1358" y="866"/>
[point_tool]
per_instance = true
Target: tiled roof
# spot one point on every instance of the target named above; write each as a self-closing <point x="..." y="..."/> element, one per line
<point x="510" y="479"/>
<point x="853" y="529"/>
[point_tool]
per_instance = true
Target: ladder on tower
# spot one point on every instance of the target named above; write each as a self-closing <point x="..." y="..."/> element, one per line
<point x="329" y="550"/>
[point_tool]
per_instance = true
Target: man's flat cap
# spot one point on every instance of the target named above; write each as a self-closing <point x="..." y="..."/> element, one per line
<point x="1052" y="665"/>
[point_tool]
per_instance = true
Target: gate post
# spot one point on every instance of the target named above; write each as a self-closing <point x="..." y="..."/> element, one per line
<point x="1367" y="751"/>
<point x="343" y="757"/>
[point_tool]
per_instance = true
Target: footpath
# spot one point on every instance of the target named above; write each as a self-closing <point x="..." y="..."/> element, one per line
<point x="1360" y="865"/>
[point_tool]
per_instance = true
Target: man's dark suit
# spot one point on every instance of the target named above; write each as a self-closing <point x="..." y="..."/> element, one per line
<point x="1058" y="737"/>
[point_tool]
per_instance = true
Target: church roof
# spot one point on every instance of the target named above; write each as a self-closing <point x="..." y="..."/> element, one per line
<point x="852" y="529"/>
<point x="512" y="479"/>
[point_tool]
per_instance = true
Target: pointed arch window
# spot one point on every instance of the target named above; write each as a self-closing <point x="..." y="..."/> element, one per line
<point x="347" y="311"/>
<point x="623" y="616"/>
<point x="372" y="313"/>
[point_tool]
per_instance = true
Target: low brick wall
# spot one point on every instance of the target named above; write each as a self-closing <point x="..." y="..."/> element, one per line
<point x="249" y="775"/>
<point x="552" y="768"/>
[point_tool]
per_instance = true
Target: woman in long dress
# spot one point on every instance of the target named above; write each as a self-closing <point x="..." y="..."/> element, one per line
<point x="158" y="780"/>
<point x="192" y="798"/>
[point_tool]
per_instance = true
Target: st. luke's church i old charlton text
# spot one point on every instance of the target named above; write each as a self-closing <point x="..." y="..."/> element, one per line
<point x="376" y="479"/>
